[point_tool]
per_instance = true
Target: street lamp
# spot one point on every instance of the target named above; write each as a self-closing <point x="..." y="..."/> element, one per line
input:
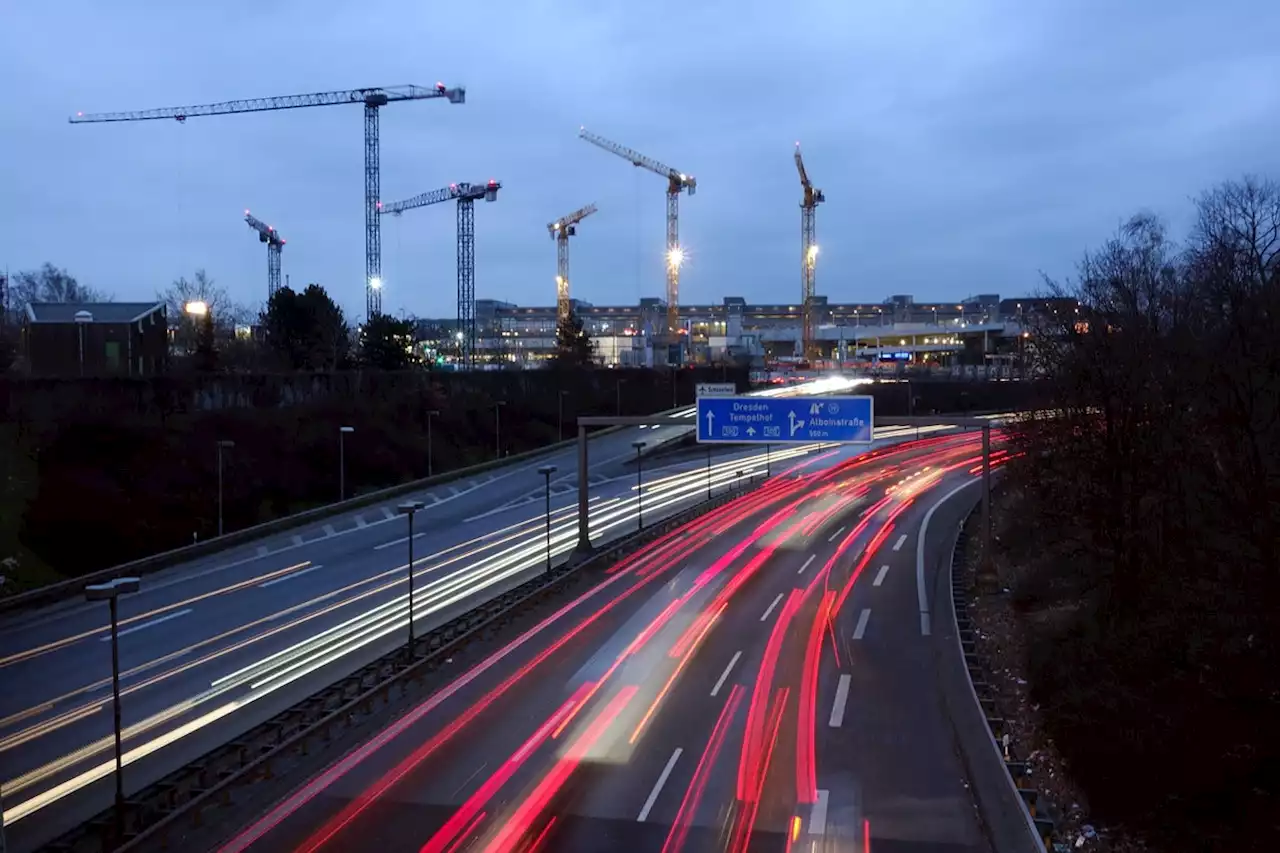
<point x="433" y="413"/>
<point x="639" y="445"/>
<point x="110" y="592"/>
<point x="408" y="509"/>
<point x="222" y="445"/>
<point x="497" y="426"/>
<point x="546" y="471"/>
<point x="82" y="318"/>
<point x="343" y="432"/>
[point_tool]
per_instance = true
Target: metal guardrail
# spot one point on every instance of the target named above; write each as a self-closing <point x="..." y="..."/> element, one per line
<point x="158" y="812"/>
<point x="1042" y="814"/>
<point x="73" y="587"/>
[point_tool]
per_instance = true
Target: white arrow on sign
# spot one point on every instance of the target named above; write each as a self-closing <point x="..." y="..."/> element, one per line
<point x="795" y="424"/>
<point x="751" y="430"/>
<point x="711" y="419"/>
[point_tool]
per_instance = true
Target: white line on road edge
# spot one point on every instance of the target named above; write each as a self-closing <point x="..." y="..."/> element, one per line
<point x="897" y="546"/>
<point x="657" y="787"/>
<point x="833" y="536"/>
<point x="806" y="563"/>
<point x="861" y="627"/>
<point x="400" y="541"/>
<point x="771" y="606"/>
<point x="724" y="676"/>
<point x="922" y="594"/>
<point x="884" y="570"/>
<point x="157" y="621"/>
<point x="289" y="576"/>
<point x="842" y="697"/>
<point x="818" y="816"/>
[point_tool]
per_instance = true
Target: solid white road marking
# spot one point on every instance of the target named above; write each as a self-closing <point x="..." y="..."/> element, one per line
<point x="771" y="606"/>
<point x="156" y="621"/>
<point x="897" y="546"/>
<point x="724" y="676"/>
<point x="297" y="539"/>
<point x="806" y="563"/>
<point x="922" y="595"/>
<point x="657" y="787"/>
<point x="842" y="697"/>
<point x="833" y="536"/>
<point x="884" y="570"/>
<point x="400" y="541"/>
<point x="861" y="627"/>
<point x="818" y="816"/>
<point x="328" y="530"/>
<point x="289" y="576"/>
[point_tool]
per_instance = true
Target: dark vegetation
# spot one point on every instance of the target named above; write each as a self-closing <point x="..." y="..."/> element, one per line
<point x="117" y="469"/>
<point x="1153" y="652"/>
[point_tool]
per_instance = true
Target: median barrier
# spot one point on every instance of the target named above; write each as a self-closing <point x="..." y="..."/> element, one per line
<point x="158" y="816"/>
<point x="72" y="588"/>
<point x="1018" y="817"/>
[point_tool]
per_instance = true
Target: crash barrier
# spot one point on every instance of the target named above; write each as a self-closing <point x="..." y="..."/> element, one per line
<point x="74" y="587"/>
<point x="1041" y="813"/>
<point x="224" y="778"/>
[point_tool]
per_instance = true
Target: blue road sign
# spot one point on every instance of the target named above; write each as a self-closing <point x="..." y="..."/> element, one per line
<point x="785" y="420"/>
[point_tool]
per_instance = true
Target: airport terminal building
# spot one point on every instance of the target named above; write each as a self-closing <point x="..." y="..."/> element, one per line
<point x="979" y="330"/>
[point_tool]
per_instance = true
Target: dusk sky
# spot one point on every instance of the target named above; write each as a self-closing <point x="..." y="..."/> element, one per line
<point x="963" y="145"/>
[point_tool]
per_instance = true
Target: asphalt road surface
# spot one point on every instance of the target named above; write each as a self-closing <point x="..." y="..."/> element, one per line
<point x="212" y="648"/>
<point x="761" y="679"/>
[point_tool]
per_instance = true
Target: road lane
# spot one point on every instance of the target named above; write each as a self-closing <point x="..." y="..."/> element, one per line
<point x="518" y="767"/>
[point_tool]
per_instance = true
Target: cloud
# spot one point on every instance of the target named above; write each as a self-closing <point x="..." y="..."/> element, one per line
<point x="962" y="147"/>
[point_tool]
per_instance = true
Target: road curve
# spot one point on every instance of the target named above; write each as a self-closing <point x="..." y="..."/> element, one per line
<point x="758" y="680"/>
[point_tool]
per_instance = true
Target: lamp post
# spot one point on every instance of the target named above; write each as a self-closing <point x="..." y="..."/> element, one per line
<point x="546" y="471"/>
<point x="639" y="445"/>
<point x="343" y="432"/>
<point x="222" y="445"/>
<point x="433" y="413"/>
<point x="83" y="318"/>
<point x="408" y="509"/>
<point x="497" y="426"/>
<point x="111" y="592"/>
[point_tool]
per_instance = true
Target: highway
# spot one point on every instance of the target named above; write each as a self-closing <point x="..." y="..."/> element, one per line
<point x="760" y="679"/>
<point x="212" y="648"/>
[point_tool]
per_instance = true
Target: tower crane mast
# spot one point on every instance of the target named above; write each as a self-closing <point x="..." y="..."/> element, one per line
<point x="677" y="182"/>
<point x="373" y="98"/>
<point x="808" y="258"/>
<point x="466" y="195"/>
<point x="275" y="243"/>
<point x="561" y="230"/>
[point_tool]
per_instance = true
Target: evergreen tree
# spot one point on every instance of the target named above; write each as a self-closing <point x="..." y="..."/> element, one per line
<point x="574" y="347"/>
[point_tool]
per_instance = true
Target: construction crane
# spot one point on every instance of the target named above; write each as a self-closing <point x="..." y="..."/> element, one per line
<point x="275" y="243"/>
<point x="561" y="230"/>
<point x="808" y="258"/>
<point x="466" y="196"/>
<point x="373" y="98"/>
<point x="676" y="182"/>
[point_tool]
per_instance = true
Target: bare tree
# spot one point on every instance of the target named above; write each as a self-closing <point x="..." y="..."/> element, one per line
<point x="49" y="284"/>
